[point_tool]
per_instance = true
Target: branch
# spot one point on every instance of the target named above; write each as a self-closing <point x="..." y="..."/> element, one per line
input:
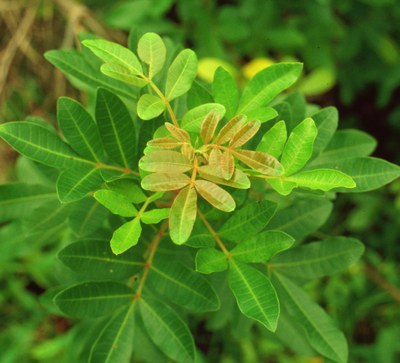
<point x="381" y="282"/>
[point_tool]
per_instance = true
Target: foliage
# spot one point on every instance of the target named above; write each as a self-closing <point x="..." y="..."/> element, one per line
<point x="149" y="257"/>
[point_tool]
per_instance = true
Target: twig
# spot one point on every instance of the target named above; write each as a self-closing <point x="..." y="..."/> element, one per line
<point x="381" y="282"/>
<point x="14" y="43"/>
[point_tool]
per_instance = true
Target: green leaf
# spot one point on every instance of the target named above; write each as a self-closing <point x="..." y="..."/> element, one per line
<point x="152" y="51"/>
<point x="318" y="259"/>
<point x="87" y="216"/>
<point x="182" y="285"/>
<point x="209" y="260"/>
<point x="126" y="236"/>
<point x="254" y="293"/>
<point x="183" y="215"/>
<point x="282" y="186"/>
<point x="368" y="173"/>
<point x="326" y="121"/>
<point x="115" y="341"/>
<point x="262" y="247"/>
<point x="18" y="200"/>
<point x="115" y="202"/>
<point x="155" y="216"/>
<point x="94" y="259"/>
<point x="345" y="144"/>
<point x="116" y="128"/>
<point x="123" y="74"/>
<point x="165" y="161"/>
<point x="39" y="144"/>
<point x="262" y="114"/>
<point x="248" y="221"/>
<point x="74" y="65"/>
<point x="75" y="183"/>
<point x="321" y="333"/>
<point x="149" y="107"/>
<point x="322" y="179"/>
<point x="111" y="52"/>
<point x="167" y="330"/>
<point x="181" y="74"/>
<point x="267" y="84"/>
<point x="318" y="81"/>
<point x="93" y="299"/>
<point x="79" y="129"/>
<point x="274" y="140"/>
<point x="193" y="119"/>
<point x="299" y="146"/>
<point x="129" y="189"/>
<point x="198" y="95"/>
<point x="225" y="91"/>
<point x="215" y="195"/>
<point x="302" y="217"/>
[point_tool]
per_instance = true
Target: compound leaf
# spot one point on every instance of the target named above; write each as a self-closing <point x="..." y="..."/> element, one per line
<point x="259" y="161"/>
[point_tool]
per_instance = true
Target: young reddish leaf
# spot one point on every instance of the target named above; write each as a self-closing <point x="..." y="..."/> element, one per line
<point x="245" y="134"/>
<point x="239" y="179"/>
<point x="214" y="158"/>
<point x="160" y="182"/>
<point x="177" y="132"/>
<point x="215" y="195"/>
<point x="187" y="151"/>
<point x="183" y="215"/>
<point x="209" y="126"/>
<point x="230" y="129"/>
<point x="260" y="161"/>
<point x="164" y="143"/>
<point x="165" y="161"/>
<point x="227" y="165"/>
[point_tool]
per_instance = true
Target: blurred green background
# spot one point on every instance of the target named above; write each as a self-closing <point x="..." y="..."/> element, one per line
<point x="351" y="52"/>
